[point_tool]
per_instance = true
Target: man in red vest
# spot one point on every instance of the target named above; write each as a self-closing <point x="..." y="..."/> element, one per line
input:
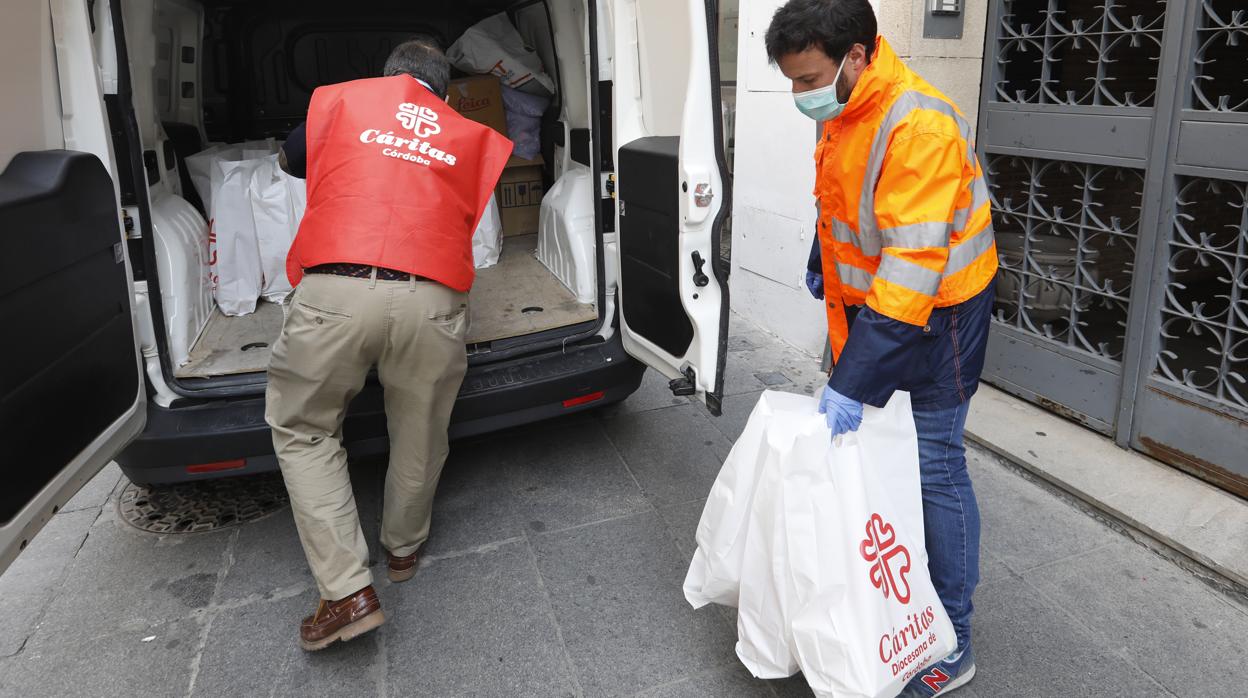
<point x="382" y="265"/>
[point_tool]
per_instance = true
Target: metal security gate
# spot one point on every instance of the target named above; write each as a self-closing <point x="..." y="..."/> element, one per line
<point x="1115" y="136"/>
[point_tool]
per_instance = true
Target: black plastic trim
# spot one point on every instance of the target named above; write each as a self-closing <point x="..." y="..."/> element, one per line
<point x="579" y="150"/>
<point x="721" y="270"/>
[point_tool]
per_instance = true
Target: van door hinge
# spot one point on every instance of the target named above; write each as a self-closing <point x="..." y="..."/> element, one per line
<point x="686" y="386"/>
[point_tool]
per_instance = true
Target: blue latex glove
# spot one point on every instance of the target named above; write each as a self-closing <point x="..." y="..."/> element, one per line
<point x="814" y="283"/>
<point x="843" y="414"/>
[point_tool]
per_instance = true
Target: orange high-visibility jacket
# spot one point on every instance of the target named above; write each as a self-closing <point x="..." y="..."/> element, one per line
<point x="905" y="224"/>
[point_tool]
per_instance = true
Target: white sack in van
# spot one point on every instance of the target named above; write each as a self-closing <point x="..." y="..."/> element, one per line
<point x="493" y="46"/>
<point x="233" y="248"/>
<point x="487" y="241"/>
<point x="199" y="165"/>
<point x="524" y="121"/>
<point x="277" y="220"/>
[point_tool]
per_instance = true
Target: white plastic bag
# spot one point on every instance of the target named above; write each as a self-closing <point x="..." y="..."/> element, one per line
<point x="200" y="165"/>
<point x="487" y="241"/>
<point x="273" y="201"/>
<point x="233" y="248"/>
<point x="493" y="46"/>
<point x="825" y="546"/>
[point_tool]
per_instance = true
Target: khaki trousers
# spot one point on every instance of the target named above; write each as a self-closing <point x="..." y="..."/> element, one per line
<point x="338" y="328"/>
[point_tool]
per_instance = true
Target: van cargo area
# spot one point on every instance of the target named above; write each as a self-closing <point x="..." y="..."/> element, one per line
<point x="231" y="71"/>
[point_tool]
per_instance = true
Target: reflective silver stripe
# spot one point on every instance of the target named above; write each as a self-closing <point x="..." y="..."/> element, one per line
<point x="961" y="216"/>
<point x="842" y="232"/>
<point x="917" y="236"/>
<point x="979" y="197"/>
<point x="853" y="276"/>
<point x="910" y="275"/>
<point x="903" y="106"/>
<point x="963" y="255"/>
<point x="979" y="193"/>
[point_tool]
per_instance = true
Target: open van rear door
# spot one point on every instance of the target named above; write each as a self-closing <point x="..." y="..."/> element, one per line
<point x="71" y="392"/>
<point x="672" y="190"/>
<point x="71" y="388"/>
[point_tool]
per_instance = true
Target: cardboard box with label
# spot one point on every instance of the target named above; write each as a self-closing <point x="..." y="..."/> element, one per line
<point x="520" y="189"/>
<point x="520" y="192"/>
<point x="479" y="98"/>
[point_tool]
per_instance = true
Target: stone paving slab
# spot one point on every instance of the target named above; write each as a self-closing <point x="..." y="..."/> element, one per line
<point x="33" y="581"/>
<point x="1132" y="600"/>
<point x="251" y="650"/>
<point x="123" y="579"/>
<point x="1175" y="509"/>
<point x="561" y="475"/>
<point x="1025" y="645"/>
<point x="731" y="681"/>
<point x="478" y="624"/>
<point x="1017" y="527"/>
<point x="96" y="492"/>
<point x="123" y="663"/>
<point x="616" y="592"/>
<point x="674" y="453"/>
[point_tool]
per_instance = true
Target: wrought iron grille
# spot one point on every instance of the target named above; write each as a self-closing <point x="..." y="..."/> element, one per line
<point x="1220" y="81"/>
<point x="1205" y="315"/>
<point x="1066" y="236"/>
<point x="1080" y="52"/>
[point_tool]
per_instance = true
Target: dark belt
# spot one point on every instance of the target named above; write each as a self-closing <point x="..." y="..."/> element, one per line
<point x="362" y="271"/>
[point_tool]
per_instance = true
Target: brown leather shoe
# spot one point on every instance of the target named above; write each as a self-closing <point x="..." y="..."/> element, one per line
<point x="402" y="569"/>
<point x="344" y="620"/>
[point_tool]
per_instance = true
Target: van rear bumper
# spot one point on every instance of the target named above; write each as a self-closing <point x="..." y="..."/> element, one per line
<point x="212" y="436"/>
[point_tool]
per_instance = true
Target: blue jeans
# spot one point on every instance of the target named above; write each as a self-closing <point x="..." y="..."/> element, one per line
<point x="950" y="513"/>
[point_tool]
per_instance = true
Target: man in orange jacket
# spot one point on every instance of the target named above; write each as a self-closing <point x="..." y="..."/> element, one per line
<point x="905" y="262"/>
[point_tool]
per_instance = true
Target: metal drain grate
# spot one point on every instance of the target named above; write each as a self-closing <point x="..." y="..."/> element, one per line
<point x="195" y="507"/>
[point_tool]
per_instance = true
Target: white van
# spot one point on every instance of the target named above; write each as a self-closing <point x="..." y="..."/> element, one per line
<point x="115" y="349"/>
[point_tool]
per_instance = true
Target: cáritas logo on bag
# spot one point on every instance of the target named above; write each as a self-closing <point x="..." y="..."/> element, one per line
<point x="900" y="650"/>
<point x="423" y="123"/>
<point x="890" y="560"/>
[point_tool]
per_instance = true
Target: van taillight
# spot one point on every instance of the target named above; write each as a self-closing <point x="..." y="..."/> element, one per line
<point x="584" y="399"/>
<point x="217" y="467"/>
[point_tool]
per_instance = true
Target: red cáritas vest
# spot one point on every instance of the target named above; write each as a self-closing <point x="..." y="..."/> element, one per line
<point x="396" y="179"/>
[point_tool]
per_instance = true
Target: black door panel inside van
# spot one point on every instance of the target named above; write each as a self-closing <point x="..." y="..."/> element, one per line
<point x="649" y="196"/>
<point x="70" y="358"/>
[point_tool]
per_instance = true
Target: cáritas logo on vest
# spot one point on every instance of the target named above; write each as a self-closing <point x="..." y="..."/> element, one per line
<point x="423" y="123"/>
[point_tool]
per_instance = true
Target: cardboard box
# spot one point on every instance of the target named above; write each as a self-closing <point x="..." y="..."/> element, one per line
<point x="479" y="98"/>
<point x="520" y="192"/>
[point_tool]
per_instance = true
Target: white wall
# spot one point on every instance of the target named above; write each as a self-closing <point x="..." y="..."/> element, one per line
<point x="773" y="208"/>
<point x="30" y="109"/>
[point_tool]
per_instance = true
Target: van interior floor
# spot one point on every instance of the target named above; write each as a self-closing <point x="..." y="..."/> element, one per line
<point x="230" y="345"/>
<point x="516" y="297"/>
<point x="520" y="296"/>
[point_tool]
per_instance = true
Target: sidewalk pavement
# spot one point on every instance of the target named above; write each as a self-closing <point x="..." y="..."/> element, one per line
<point x="1202" y="527"/>
<point x="555" y="569"/>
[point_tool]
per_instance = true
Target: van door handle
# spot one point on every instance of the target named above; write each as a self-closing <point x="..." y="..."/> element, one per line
<point x="699" y="278"/>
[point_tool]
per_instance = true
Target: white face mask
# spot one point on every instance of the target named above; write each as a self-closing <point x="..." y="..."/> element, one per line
<point x="821" y="104"/>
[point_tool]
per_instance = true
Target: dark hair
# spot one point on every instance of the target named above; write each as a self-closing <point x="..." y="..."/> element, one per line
<point x="422" y="59"/>
<point x="832" y="25"/>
